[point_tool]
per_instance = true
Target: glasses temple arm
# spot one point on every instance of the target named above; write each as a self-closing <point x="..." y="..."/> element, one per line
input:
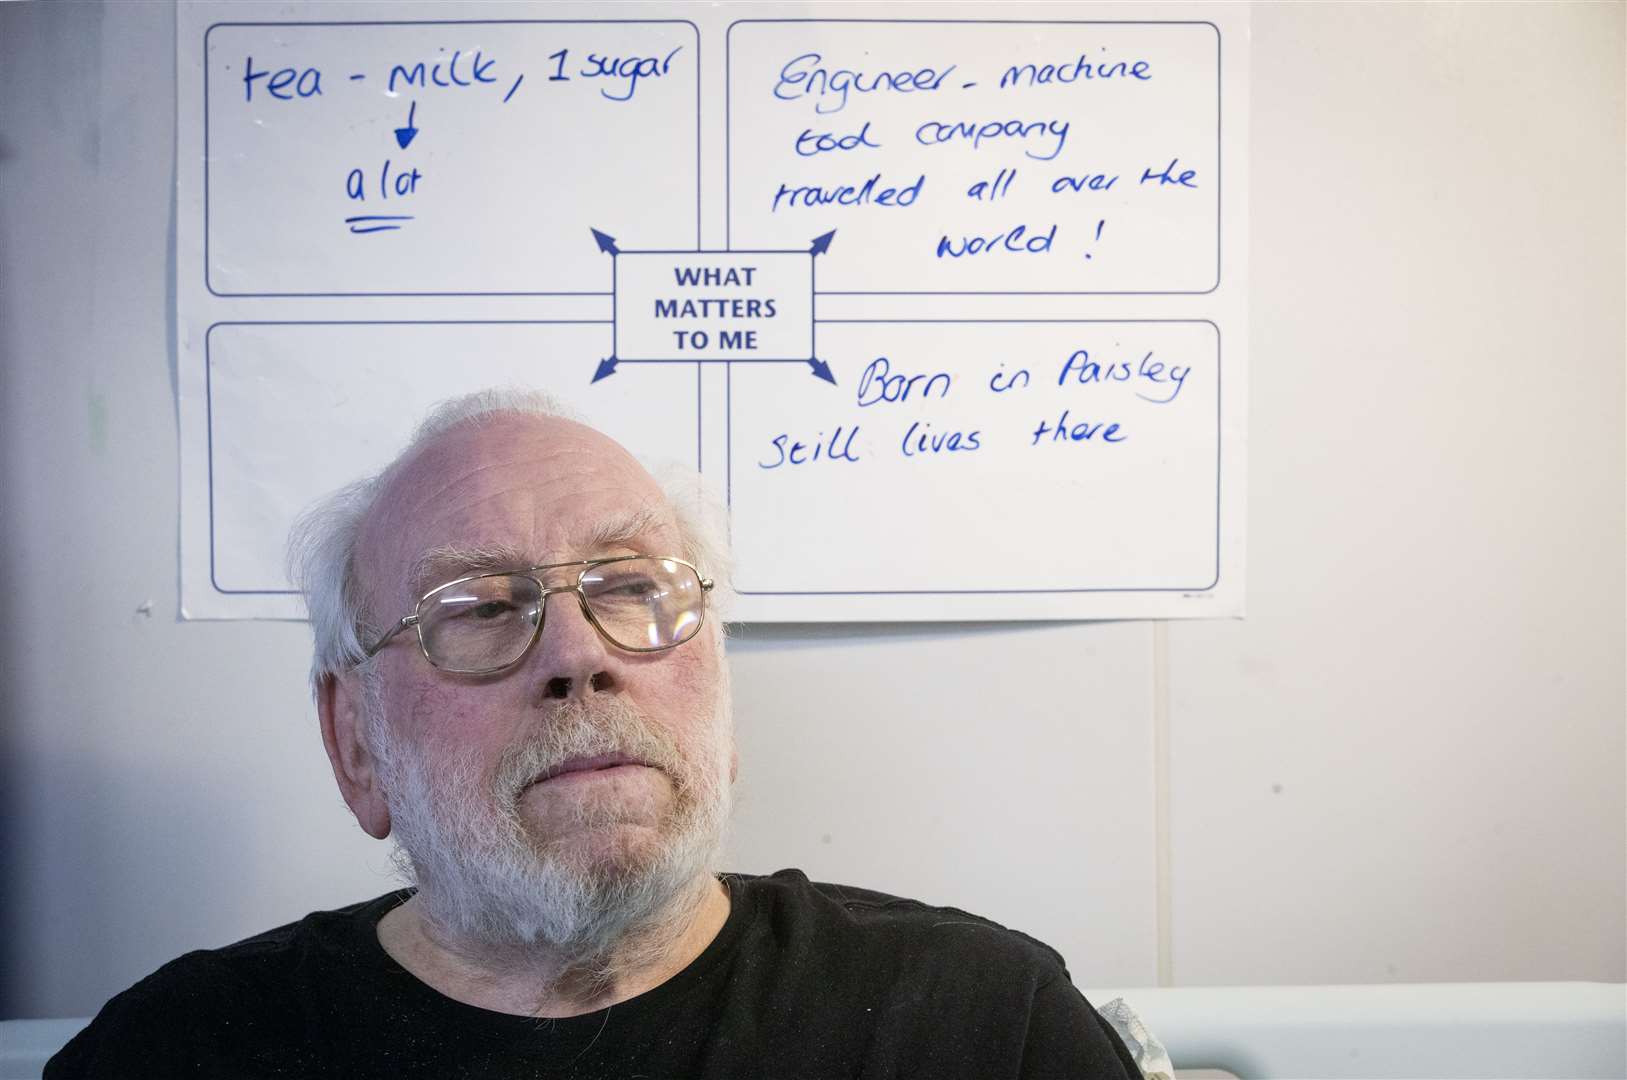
<point x="406" y="621"/>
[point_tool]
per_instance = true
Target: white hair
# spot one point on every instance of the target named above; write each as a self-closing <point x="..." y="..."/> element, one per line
<point x="485" y="877"/>
<point x="322" y="547"/>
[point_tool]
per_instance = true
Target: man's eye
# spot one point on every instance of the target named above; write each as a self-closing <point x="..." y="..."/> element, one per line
<point x="491" y="609"/>
<point x="629" y="588"/>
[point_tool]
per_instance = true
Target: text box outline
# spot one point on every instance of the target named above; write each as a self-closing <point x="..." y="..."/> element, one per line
<point x="209" y="414"/>
<point x="615" y="311"/>
<point x="728" y="471"/>
<point x="728" y="148"/>
<point x="207" y="262"/>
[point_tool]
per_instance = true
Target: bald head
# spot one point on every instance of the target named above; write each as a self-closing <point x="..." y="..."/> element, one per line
<point x="361" y="556"/>
<point x="516" y="488"/>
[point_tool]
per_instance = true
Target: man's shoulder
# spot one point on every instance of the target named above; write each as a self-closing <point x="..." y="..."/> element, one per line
<point x="800" y="910"/>
<point x="936" y="989"/>
<point x="188" y="1001"/>
<point x="332" y="928"/>
<point x="308" y="940"/>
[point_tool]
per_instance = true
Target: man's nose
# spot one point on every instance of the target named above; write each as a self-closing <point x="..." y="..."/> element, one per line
<point x="571" y="656"/>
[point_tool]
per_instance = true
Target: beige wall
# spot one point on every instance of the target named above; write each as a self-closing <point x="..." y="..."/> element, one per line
<point x="1405" y="765"/>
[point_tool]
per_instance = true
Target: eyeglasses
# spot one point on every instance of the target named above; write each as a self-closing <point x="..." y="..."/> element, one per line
<point x="484" y="623"/>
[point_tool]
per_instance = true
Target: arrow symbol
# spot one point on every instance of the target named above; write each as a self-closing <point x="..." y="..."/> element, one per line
<point x="821" y="244"/>
<point x="404" y="135"/>
<point x="820" y="368"/>
<point x="607" y="243"/>
<point x="607" y="366"/>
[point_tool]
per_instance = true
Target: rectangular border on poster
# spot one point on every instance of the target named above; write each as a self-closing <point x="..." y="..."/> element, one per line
<point x="728" y="148"/>
<point x="1219" y="449"/>
<point x="209" y="409"/>
<point x="207" y="260"/>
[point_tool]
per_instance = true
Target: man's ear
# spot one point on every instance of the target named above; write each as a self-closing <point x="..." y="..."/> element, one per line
<point x="344" y="734"/>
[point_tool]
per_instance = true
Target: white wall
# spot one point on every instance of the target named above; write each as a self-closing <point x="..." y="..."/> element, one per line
<point x="1405" y="765"/>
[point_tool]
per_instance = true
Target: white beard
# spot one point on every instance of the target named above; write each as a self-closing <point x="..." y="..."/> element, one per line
<point x="485" y="878"/>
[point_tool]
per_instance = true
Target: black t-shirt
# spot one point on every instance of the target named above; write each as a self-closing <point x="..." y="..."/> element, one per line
<point x="804" y="980"/>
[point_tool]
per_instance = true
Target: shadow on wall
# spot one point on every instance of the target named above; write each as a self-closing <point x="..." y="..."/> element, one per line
<point x="11" y="869"/>
<point x="111" y="857"/>
<point x="31" y="36"/>
<point x="815" y="635"/>
<point x="11" y="778"/>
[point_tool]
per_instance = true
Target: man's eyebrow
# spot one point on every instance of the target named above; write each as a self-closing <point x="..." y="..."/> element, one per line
<point x="439" y="565"/>
<point x="620" y="531"/>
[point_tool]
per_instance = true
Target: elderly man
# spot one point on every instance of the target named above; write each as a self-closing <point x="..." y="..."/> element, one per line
<point x="516" y="677"/>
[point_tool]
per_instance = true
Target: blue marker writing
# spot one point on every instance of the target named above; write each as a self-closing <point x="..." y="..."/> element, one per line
<point x="805" y="76"/>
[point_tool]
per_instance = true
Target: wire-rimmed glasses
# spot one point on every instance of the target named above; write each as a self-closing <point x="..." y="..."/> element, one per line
<point x="483" y="623"/>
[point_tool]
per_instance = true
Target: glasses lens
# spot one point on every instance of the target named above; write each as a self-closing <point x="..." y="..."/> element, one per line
<point x="480" y="625"/>
<point x="645" y="603"/>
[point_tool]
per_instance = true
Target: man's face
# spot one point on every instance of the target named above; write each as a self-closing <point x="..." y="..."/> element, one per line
<point x="502" y="848"/>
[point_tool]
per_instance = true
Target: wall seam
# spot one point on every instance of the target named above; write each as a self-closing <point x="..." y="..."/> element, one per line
<point x="1160" y="773"/>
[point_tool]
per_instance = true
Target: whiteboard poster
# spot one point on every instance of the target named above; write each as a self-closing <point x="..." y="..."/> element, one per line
<point x="947" y="305"/>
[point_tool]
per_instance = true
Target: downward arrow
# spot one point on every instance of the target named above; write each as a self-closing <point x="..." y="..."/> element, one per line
<point x="607" y="366"/>
<point x="404" y="135"/>
<point x="822" y="370"/>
